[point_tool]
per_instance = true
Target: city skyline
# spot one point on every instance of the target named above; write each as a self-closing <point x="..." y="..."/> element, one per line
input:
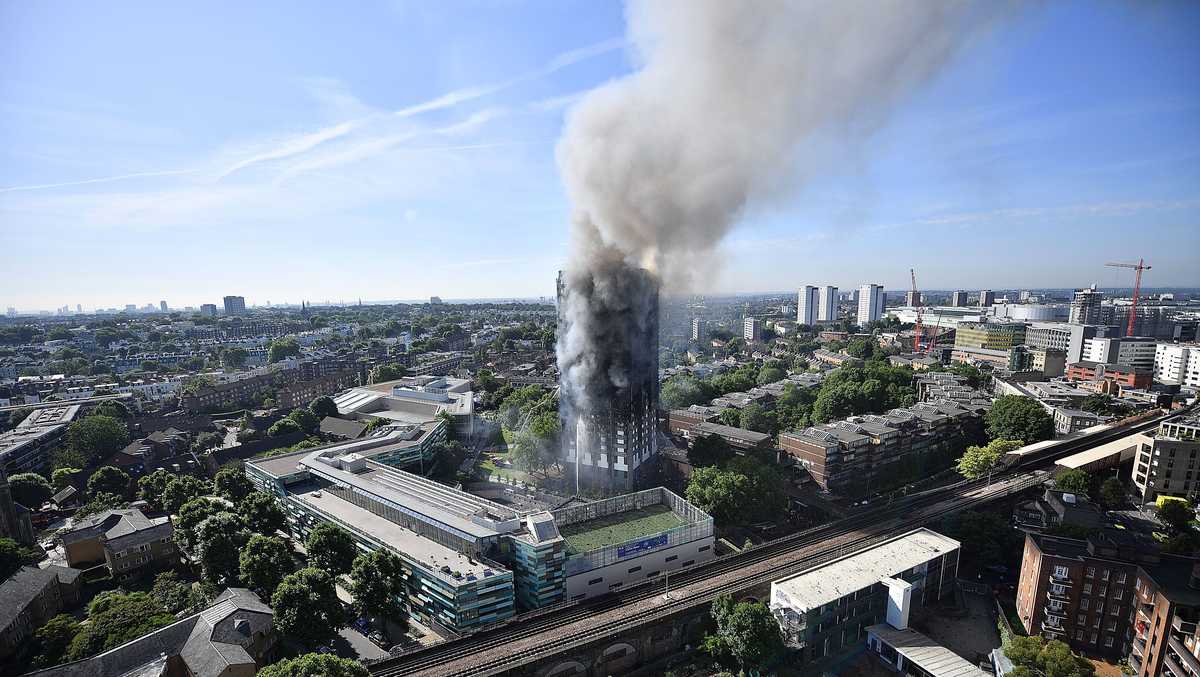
<point x="290" y="161"/>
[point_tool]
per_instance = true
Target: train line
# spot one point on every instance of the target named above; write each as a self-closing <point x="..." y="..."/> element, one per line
<point x="564" y="626"/>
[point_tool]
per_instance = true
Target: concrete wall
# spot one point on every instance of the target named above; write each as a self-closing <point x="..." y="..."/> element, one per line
<point x="619" y="572"/>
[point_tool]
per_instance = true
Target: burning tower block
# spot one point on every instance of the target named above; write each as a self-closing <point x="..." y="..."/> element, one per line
<point x="608" y="362"/>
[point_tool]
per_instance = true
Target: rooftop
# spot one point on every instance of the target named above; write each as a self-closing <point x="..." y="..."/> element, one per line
<point x="1115" y="448"/>
<point x="925" y="653"/>
<point x="829" y="582"/>
<point x="618" y="528"/>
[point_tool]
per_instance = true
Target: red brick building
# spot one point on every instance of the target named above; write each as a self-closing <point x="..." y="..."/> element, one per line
<point x="1128" y="377"/>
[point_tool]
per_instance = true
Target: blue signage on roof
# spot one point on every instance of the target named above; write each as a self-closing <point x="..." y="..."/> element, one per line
<point x="641" y="546"/>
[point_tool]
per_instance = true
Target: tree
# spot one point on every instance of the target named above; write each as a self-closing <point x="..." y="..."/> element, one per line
<point x="315" y="665"/>
<point x="730" y="417"/>
<point x="262" y="513"/>
<point x="709" y="450"/>
<point x="108" y="480"/>
<point x="307" y="608"/>
<point x="182" y="489"/>
<point x="232" y="484"/>
<point x="112" y="408"/>
<point x="305" y="420"/>
<point x="1112" y="494"/>
<point x="986" y="538"/>
<point x="376" y="580"/>
<point x="218" y="544"/>
<point x="100" y="503"/>
<point x="1177" y="515"/>
<point x="1073" y="481"/>
<point x="116" y="618"/>
<point x="755" y="417"/>
<point x="977" y="462"/>
<point x="771" y="374"/>
<point x="30" y="489"/>
<point x="54" y="639"/>
<point x="386" y="372"/>
<point x="234" y="358"/>
<point x="1016" y="417"/>
<point x="61" y="478"/>
<point x="284" y="426"/>
<point x="175" y="595"/>
<point x="189" y="517"/>
<point x="747" y="631"/>
<point x="331" y="549"/>
<point x="283" y="348"/>
<point x="152" y="486"/>
<point x="1036" y="656"/>
<point x="264" y="561"/>
<point x="323" y="406"/>
<point x="207" y="440"/>
<point x="96" y="437"/>
<point x="745" y="490"/>
<point x="862" y="348"/>
<point x="13" y="556"/>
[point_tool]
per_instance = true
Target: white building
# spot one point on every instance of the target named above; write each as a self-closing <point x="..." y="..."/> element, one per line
<point x="1177" y="364"/>
<point x="699" y="331"/>
<point x="827" y="303"/>
<point x="1131" y="351"/>
<point x="871" y="300"/>
<point x="806" y="305"/>
<point x="752" y="330"/>
<point x="987" y="298"/>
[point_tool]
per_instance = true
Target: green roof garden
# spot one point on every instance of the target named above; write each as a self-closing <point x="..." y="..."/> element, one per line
<point x="619" y="528"/>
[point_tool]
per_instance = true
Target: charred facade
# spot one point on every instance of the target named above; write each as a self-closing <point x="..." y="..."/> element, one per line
<point x="608" y="361"/>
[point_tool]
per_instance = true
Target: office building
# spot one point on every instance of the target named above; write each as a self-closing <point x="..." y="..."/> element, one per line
<point x="827" y="304"/>
<point x="752" y="330"/>
<point x="987" y="298"/>
<point x="912" y="299"/>
<point x="1024" y="295"/>
<point x="807" y="303"/>
<point x="208" y="309"/>
<point x="125" y="540"/>
<point x="1085" y="306"/>
<point x="824" y="612"/>
<point x="235" y="305"/>
<point x="27" y="447"/>
<point x="870" y="303"/>
<point x="162" y="306"/>
<point x="1063" y="336"/>
<point x="1177" y="364"/>
<point x="958" y="299"/>
<point x="1131" y="351"/>
<point x="1166" y="460"/>
<point x="470" y="562"/>
<point x="699" y="329"/>
<point x="989" y="335"/>
<point x="1128" y="377"/>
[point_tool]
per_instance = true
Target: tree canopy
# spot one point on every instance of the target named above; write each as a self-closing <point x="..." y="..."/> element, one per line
<point x="232" y="484"/>
<point x="331" y="549"/>
<point x="182" y="489"/>
<point x="152" y="486"/>
<point x="262" y="513"/>
<point x="746" y="631"/>
<point x="108" y="480"/>
<point x="315" y="665"/>
<point x="218" y="544"/>
<point x="307" y="608"/>
<point x="282" y="348"/>
<point x="97" y="437"/>
<point x="376" y="581"/>
<point x="1016" y="417"/>
<point x="30" y="489"/>
<point x="709" y="450"/>
<point x="1034" y="656"/>
<point x="1073" y="481"/>
<point x="116" y="618"/>
<point x="1177" y="515"/>
<point x="977" y="461"/>
<point x="263" y="563"/>
<point x="323" y="406"/>
<point x="743" y="490"/>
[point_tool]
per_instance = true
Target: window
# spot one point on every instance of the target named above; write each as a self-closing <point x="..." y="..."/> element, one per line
<point x="1094" y="638"/>
<point x="1084" y="603"/>
<point x="703" y="548"/>
<point x="634" y="570"/>
<point x="1091" y="571"/>
<point x="596" y="580"/>
<point x="1104" y="575"/>
<point x="672" y="558"/>
<point x="1108" y="641"/>
<point x="652" y="574"/>
<point x="1079" y="635"/>
<point x="1081" y="619"/>
<point x="688" y="563"/>
<point x="1087" y="588"/>
<point x="1060" y="571"/>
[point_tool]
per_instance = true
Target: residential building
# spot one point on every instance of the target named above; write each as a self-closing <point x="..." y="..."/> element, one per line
<point x="699" y="329"/>
<point x="1177" y="364"/>
<point x="958" y="299"/>
<point x="235" y="305"/>
<point x="850" y="457"/>
<point x="1128" y="377"/>
<point x="912" y="298"/>
<point x="1069" y="338"/>
<point x="1081" y="592"/>
<point x="1166" y="640"/>
<point x="989" y="335"/>
<point x="752" y="330"/>
<point x="826" y="611"/>
<point x="807" y="304"/>
<point x="1068" y="421"/>
<point x="233" y="637"/>
<point x="871" y="302"/>
<point x="27" y="447"/>
<point x="1059" y="508"/>
<point x="1131" y="351"/>
<point x="1085" y="306"/>
<point x="208" y="309"/>
<point x="987" y="298"/>
<point x="738" y="438"/>
<point x="835" y="359"/>
<point x="124" y="539"/>
<point x="162" y="306"/>
<point x="29" y="598"/>
<point x="470" y="562"/>
<point x="827" y="303"/>
<point x="1166" y="459"/>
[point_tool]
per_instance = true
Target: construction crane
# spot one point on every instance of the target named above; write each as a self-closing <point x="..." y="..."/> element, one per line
<point x="920" y="312"/>
<point x="1137" y="286"/>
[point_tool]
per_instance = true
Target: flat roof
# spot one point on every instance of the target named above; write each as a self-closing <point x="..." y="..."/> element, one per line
<point x="281" y="464"/>
<point x="829" y="582"/>
<point x="1117" y="447"/>
<point x="629" y="525"/>
<point x="925" y="653"/>
<point x="414" y="546"/>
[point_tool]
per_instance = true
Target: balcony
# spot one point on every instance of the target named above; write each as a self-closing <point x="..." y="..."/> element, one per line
<point x="1053" y="629"/>
<point x="1139" y="646"/>
<point x="1059" y="613"/>
<point x="1179" y="624"/>
<point x="1058" y="596"/>
<point x="1065" y="580"/>
<point x="1183" y="656"/>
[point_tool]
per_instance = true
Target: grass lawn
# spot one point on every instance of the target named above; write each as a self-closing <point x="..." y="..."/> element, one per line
<point x="626" y="526"/>
<point x="488" y="467"/>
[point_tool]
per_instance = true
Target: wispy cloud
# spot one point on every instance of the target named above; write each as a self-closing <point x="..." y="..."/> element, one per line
<point x="293" y="146"/>
<point x="103" y="179"/>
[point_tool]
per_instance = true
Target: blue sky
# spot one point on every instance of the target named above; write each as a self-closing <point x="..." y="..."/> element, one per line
<point x="297" y="150"/>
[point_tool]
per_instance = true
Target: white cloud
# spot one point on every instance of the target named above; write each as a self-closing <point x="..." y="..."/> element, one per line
<point x="103" y="179"/>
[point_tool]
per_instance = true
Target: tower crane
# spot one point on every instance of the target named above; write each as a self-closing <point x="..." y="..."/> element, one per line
<point x="1137" y="286"/>
<point x="920" y="312"/>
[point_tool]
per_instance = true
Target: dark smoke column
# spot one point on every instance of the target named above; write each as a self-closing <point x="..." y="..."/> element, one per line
<point x="609" y="382"/>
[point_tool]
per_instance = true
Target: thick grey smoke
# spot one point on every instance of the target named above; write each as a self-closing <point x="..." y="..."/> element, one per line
<point x="659" y="165"/>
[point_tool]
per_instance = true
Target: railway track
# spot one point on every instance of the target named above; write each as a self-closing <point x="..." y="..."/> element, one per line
<point x="808" y="548"/>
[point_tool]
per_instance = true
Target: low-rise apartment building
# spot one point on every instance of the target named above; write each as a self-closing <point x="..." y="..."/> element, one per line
<point x="29" y="598"/>
<point x="27" y="447"/>
<point x="124" y="539"/>
<point x="1166" y="641"/>
<point x="1177" y="364"/>
<point x="1165" y="463"/>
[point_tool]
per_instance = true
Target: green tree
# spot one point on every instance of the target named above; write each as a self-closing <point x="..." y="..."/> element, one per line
<point x="730" y="417"/>
<point x="61" y="478"/>
<point x="152" y="486"/>
<point x="30" y="489"/>
<point x="232" y="484"/>
<point x="305" y="420"/>
<point x="709" y="450"/>
<point x="1112" y="494"/>
<point x="97" y="437"/>
<point x="54" y="639"/>
<point x="770" y="374"/>
<point x="115" y="620"/>
<point x="108" y="480"/>
<point x="175" y="595"/>
<point x="986" y="539"/>
<point x="182" y="489"/>
<point x="100" y="503"/>
<point x="330" y="548"/>
<point x="746" y="490"/>
<point x="1037" y="656"/>
<point x="234" y="358"/>
<point x="681" y="392"/>
<point x="386" y="372"/>
<point x="284" y="426"/>
<point x="13" y="556"/>
<point x="746" y="631"/>
<point x="315" y="665"/>
<point x="755" y="417"/>
<point x="1016" y="417"/>
<point x="307" y="608"/>
<point x="862" y="348"/>
<point x="262" y="513"/>
<point x="323" y="406"/>
<point x="376" y="581"/>
<point x="264" y="561"/>
<point x="112" y="408"/>
<point x="1073" y="481"/>
<point x="189" y="517"/>
<point x="207" y="440"/>
<point x="977" y="462"/>
<point x="1177" y="515"/>
<point x="219" y="542"/>
<point x="283" y="348"/>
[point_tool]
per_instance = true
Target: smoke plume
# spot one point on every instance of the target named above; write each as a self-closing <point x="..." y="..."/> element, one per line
<point x="659" y="165"/>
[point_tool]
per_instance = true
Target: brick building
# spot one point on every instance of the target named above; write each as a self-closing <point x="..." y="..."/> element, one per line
<point x="1129" y="377"/>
